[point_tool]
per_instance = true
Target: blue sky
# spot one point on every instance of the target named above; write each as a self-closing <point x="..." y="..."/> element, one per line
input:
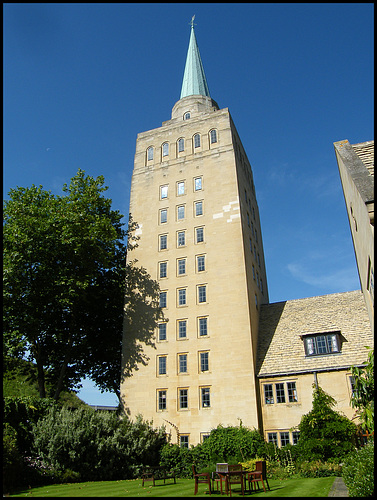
<point x="82" y="80"/>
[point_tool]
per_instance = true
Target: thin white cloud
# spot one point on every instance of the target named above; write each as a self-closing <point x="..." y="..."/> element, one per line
<point x="342" y="279"/>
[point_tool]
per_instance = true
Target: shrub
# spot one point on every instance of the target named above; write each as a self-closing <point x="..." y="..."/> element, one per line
<point x="317" y="468"/>
<point x="180" y="459"/>
<point x="358" y="471"/>
<point x="12" y="460"/>
<point x="232" y="444"/>
<point x="21" y="413"/>
<point x="324" y="433"/>
<point x="97" y="445"/>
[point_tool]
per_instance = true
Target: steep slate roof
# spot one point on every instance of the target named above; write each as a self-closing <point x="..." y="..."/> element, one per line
<point x="365" y="151"/>
<point x="281" y="325"/>
<point x="194" y="80"/>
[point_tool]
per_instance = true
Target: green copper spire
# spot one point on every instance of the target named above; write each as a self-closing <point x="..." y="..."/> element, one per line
<point x="194" y="80"/>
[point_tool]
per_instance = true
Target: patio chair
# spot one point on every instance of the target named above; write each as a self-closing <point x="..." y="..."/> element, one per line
<point x="234" y="477"/>
<point x="259" y="475"/>
<point x="201" y="477"/>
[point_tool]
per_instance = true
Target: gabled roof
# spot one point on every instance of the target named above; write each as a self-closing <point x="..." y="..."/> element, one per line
<point x="194" y="80"/>
<point x="283" y="325"/>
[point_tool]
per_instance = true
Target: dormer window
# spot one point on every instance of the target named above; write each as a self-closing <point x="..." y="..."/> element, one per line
<point x="322" y="343"/>
<point x="187" y="116"/>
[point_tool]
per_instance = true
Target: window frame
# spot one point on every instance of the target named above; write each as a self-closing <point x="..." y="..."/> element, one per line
<point x="200" y="264"/>
<point x="213" y="139"/>
<point x="163" y="294"/>
<point x="197" y="141"/>
<point x="311" y="343"/>
<point x="200" y="180"/>
<point x="165" y="149"/>
<point x="181" y="184"/>
<point x="202" y="294"/>
<point x="182" y="362"/>
<point x="160" y="338"/>
<point x="165" y="212"/>
<point x="205" y="397"/>
<point x="203" y="361"/>
<point x="280" y="393"/>
<point x="163" y="188"/>
<point x="181" y="297"/>
<point x="162" y="365"/>
<point x="198" y="212"/>
<point x="181" y="236"/>
<point x="202" y="320"/>
<point x="182" y="398"/>
<point x="163" y="269"/>
<point x="181" y="266"/>
<point x="181" y="329"/>
<point x="162" y="242"/>
<point x="161" y="399"/>
<point x="180" y="145"/>
<point x="180" y="209"/>
<point x="150" y="153"/>
<point x="200" y="228"/>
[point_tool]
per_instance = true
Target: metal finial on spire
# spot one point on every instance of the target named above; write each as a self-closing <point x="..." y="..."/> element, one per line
<point x="192" y="21"/>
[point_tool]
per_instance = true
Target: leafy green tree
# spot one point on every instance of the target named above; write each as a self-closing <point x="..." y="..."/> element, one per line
<point x="65" y="277"/>
<point x="363" y="392"/>
<point x="325" y="433"/>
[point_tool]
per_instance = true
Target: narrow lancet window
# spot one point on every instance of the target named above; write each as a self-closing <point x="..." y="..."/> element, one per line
<point x="181" y="145"/>
<point x="165" y="149"/>
<point x="213" y="135"/>
<point x="196" y="141"/>
<point x="150" y="153"/>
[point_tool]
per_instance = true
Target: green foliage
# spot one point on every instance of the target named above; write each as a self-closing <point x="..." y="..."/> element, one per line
<point x="236" y="443"/>
<point x="21" y="413"/>
<point x="318" y="468"/>
<point x="363" y="395"/>
<point x="180" y="459"/>
<point x="97" y="445"/>
<point x="65" y="281"/>
<point x="324" y="433"/>
<point x="358" y="471"/>
<point x="12" y="460"/>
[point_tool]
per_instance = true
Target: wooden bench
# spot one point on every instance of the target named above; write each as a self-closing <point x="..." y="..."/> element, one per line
<point x="155" y="473"/>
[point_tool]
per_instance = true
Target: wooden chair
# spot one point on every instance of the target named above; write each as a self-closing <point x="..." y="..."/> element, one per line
<point x="201" y="477"/>
<point x="235" y="476"/>
<point x="258" y="475"/>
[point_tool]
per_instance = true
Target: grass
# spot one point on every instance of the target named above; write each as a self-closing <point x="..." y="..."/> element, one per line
<point x="293" y="487"/>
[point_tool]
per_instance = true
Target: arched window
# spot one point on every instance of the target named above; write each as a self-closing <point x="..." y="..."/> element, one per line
<point x="187" y="116"/>
<point x="165" y="149"/>
<point x="181" y="145"/>
<point x="196" y="141"/>
<point x="150" y="153"/>
<point x="213" y="135"/>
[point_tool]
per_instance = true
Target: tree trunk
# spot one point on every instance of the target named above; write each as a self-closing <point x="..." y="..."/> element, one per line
<point x="40" y="372"/>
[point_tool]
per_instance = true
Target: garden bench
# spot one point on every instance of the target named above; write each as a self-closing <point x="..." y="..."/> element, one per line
<point x="155" y="473"/>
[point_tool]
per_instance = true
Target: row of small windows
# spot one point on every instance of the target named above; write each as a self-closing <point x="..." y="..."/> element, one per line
<point x="182" y="363"/>
<point x="181" y="266"/>
<point x="280" y="393"/>
<point x="180" y="144"/>
<point x="181" y="187"/>
<point x="183" y="398"/>
<point x="180" y="211"/>
<point x="180" y="238"/>
<point x="182" y="329"/>
<point x="182" y="296"/>
<point x="283" y="437"/>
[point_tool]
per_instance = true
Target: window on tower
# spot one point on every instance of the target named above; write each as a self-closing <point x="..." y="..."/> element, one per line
<point x="187" y="116"/>
<point x="196" y="141"/>
<point x="181" y="145"/>
<point x="150" y="153"/>
<point x="165" y="149"/>
<point x="213" y="136"/>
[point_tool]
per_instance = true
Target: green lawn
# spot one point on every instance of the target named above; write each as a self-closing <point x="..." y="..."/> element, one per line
<point x="300" y="487"/>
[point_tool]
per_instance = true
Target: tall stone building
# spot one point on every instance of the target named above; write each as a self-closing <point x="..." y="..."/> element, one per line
<point x="193" y="196"/>
<point x="223" y="353"/>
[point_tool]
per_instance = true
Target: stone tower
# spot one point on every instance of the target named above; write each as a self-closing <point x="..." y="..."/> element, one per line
<point x="193" y="196"/>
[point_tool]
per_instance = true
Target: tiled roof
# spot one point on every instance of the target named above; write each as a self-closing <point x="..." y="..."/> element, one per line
<point x="282" y="324"/>
<point x="365" y="151"/>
